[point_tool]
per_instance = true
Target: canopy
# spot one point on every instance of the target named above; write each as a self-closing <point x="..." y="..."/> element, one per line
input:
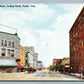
<point x="19" y="65"/>
<point x="31" y="68"/>
<point x="35" y="67"/>
<point x="8" y="62"/>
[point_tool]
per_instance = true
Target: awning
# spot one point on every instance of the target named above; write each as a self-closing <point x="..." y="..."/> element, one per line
<point x="8" y="62"/>
<point x="31" y="68"/>
<point x="35" y="68"/>
<point x="19" y="65"/>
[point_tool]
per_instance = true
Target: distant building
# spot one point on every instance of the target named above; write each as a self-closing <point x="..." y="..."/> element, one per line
<point x="29" y="54"/>
<point x="76" y="34"/>
<point x="65" y="61"/>
<point x="55" y="61"/>
<point x="35" y="60"/>
<point x="9" y="51"/>
<point x="65" y="65"/>
<point x="40" y="65"/>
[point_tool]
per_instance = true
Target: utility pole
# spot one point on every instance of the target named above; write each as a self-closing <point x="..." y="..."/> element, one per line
<point x="9" y="27"/>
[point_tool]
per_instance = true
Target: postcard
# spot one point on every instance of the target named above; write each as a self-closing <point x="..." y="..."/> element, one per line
<point x="42" y="42"/>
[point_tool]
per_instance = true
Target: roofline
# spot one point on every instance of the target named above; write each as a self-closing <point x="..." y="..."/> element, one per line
<point x="76" y="19"/>
<point x="9" y="34"/>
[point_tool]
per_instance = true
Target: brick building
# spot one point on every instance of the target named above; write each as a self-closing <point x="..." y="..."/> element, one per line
<point x="76" y="35"/>
<point x="55" y="61"/>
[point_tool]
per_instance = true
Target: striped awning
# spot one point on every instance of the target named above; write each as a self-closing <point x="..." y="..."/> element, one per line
<point x="19" y="65"/>
<point x="8" y="62"/>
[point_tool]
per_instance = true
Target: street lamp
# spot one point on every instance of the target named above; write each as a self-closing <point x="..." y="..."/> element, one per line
<point x="71" y="69"/>
<point x="81" y="72"/>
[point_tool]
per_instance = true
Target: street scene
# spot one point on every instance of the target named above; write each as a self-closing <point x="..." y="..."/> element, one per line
<point x="42" y="42"/>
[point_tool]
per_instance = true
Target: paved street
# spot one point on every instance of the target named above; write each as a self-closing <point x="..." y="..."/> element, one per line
<point x="54" y="75"/>
<point x="44" y="75"/>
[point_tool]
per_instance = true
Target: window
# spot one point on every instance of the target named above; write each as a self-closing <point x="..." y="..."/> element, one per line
<point x="9" y="43"/>
<point x="26" y="61"/>
<point x="83" y="41"/>
<point x="12" y="44"/>
<point x="12" y="53"/>
<point x="2" y="42"/>
<point x="26" y="54"/>
<point x="3" y="52"/>
<point x="80" y="54"/>
<point x="8" y="53"/>
<point x="80" y="44"/>
<point x="5" y="43"/>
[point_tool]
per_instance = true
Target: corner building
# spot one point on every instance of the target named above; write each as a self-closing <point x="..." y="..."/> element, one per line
<point x="9" y="51"/>
<point x="76" y="35"/>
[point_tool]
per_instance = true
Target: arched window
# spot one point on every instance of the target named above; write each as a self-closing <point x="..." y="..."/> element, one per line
<point x="12" y="44"/>
<point x="5" y="43"/>
<point x="9" y="43"/>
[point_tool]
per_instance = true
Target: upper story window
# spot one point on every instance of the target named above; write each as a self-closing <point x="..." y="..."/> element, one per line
<point x="12" y="44"/>
<point x="8" y="53"/>
<point x="26" y="54"/>
<point x="12" y="53"/>
<point x="5" y="43"/>
<point x="3" y="52"/>
<point x="1" y="42"/>
<point x="9" y="43"/>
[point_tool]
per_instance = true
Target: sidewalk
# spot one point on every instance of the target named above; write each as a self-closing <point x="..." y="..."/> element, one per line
<point x="77" y="75"/>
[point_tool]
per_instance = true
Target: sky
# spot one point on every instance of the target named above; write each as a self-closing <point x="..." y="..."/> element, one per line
<point x="45" y="26"/>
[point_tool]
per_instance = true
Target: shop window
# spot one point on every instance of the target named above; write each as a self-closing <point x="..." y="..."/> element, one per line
<point x="3" y="52"/>
<point x="12" y="53"/>
<point x="5" y="43"/>
<point x="12" y="44"/>
<point x="9" y="43"/>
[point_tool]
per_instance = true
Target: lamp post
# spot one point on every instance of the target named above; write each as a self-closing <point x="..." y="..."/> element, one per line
<point x="81" y="72"/>
<point x="71" y="69"/>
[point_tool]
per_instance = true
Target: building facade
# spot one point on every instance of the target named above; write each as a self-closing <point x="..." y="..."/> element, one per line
<point x="65" y="65"/>
<point x="9" y="51"/>
<point x="76" y="35"/>
<point x="22" y="55"/>
<point x="29" y="54"/>
<point x="55" y="61"/>
<point x="40" y="65"/>
<point x="35" y="60"/>
<point x="65" y="61"/>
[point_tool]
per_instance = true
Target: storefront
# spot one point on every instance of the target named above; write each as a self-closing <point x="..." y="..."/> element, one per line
<point x="8" y="65"/>
<point x="20" y="68"/>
